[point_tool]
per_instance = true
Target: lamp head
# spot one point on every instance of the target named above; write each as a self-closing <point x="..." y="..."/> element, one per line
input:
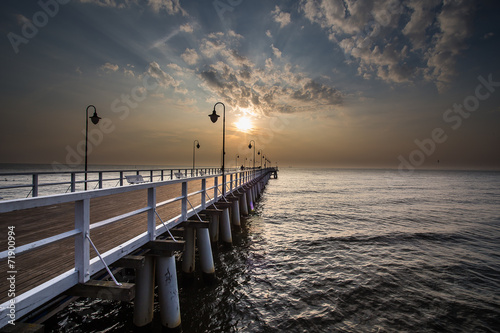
<point x="250" y="145"/>
<point x="214" y="116"/>
<point x="95" y="118"/>
<point x="198" y="145"/>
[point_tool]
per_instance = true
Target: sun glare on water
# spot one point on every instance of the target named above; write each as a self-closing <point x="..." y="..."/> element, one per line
<point x="244" y="124"/>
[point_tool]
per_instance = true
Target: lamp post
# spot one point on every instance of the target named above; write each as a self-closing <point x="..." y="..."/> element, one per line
<point x="237" y="156"/>
<point x="95" y="119"/>
<point x="213" y="117"/>
<point x="250" y="147"/>
<point x="261" y="153"/>
<point x="196" y="144"/>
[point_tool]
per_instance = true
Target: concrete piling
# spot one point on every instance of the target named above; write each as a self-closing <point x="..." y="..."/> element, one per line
<point x="243" y="204"/>
<point x="144" y="295"/>
<point x="225" y="227"/>
<point x="166" y="275"/>
<point x="205" y="251"/>
<point x="188" y="256"/>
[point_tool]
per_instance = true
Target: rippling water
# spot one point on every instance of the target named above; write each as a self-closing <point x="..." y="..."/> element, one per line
<point x="348" y="251"/>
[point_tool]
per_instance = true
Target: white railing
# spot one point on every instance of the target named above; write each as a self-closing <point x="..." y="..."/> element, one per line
<point x="72" y="181"/>
<point x="85" y="266"/>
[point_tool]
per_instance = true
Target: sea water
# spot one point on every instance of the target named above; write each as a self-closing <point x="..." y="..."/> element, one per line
<point x="345" y="251"/>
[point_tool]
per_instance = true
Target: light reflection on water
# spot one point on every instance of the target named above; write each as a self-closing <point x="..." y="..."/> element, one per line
<point x="340" y="250"/>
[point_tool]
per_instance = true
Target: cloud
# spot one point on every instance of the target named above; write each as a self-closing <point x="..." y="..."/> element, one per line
<point x="421" y="19"/>
<point x="172" y="7"/>
<point x="187" y="28"/>
<point x="190" y="56"/>
<point x="281" y="17"/>
<point x="455" y="23"/>
<point x="274" y="87"/>
<point x="164" y="79"/>
<point x="313" y="91"/>
<point x="108" y="67"/>
<point x="103" y="3"/>
<point x="276" y="51"/>
<point x="396" y="41"/>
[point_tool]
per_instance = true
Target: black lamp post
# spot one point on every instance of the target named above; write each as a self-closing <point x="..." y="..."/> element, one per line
<point x="196" y="144"/>
<point x="250" y="147"/>
<point x="95" y="119"/>
<point x="261" y="153"/>
<point x="214" y="117"/>
<point x="237" y="156"/>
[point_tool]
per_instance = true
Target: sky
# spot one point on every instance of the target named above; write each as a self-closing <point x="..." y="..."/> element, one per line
<point x="374" y="84"/>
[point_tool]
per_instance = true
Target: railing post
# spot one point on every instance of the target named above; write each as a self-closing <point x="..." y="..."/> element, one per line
<point x="73" y="182"/>
<point x="224" y="185"/>
<point x="216" y="187"/>
<point x="34" y="193"/>
<point x="82" y="252"/>
<point x="172" y="174"/>
<point x="184" y="201"/>
<point x="100" y="179"/>
<point x="151" y="175"/>
<point x="203" y="193"/>
<point x="151" y="213"/>
<point x="121" y="178"/>
<point x="161" y="175"/>
<point x="231" y="183"/>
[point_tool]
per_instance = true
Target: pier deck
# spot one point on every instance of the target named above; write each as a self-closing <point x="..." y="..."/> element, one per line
<point x="51" y="250"/>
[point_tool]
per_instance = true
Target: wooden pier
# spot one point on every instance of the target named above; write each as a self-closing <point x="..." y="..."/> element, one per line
<point x="50" y="250"/>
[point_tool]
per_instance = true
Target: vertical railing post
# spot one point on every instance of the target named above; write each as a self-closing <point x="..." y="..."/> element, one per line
<point x="151" y="213"/>
<point x="82" y="253"/>
<point x="203" y="193"/>
<point x="231" y="183"/>
<point x="184" y="201"/>
<point x="161" y="175"/>
<point x="121" y="178"/>
<point x="73" y="182"/>
<point x="224" y="185"/>
<point x="172" y="174"/>
<point x="151" y="176"/>
<point x="216" y="187"/>
<point x="34" y="193"/>
<point x="100" y="179"/>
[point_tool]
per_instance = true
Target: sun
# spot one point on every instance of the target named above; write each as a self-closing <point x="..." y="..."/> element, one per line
<point x="244" y="124"/>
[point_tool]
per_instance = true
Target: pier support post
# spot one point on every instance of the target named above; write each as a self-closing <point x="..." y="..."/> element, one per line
<point x="236" y="212"/>
<point x="225" y="227"/>
<point x="243" y="204"/>
<point x="205" y="251"/>
<point x="168" y="293"/>
<point x="144" y="293"/>
<point x="188" y="256"/>
<point x="214" y="228"/>
<point x="250" y="199"/>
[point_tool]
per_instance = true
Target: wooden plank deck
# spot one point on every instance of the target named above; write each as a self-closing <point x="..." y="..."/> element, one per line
<point x="40" y="265"/>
